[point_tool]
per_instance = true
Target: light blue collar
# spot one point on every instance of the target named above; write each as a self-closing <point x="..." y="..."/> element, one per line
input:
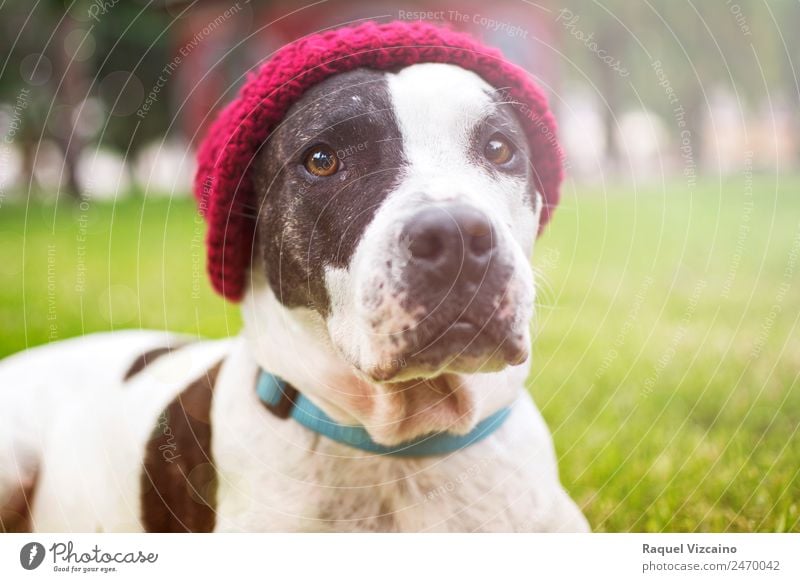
<point x="271" y="390"/>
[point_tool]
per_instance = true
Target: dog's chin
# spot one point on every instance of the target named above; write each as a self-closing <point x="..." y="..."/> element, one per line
<point x="421" y="406"/>
<point x="430" y="389"/>
<point x="461" y="349"/>
<point x="428" y="369"/>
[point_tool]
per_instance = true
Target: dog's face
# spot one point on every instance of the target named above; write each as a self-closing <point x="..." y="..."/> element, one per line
<point x="401" y="208"/>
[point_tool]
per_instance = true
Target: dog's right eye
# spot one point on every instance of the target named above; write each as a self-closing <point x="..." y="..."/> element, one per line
<point x="498" y="150"/>
<point x="321" y="161"/>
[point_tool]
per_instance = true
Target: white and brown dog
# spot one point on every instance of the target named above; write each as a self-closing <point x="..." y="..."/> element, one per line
<point x="390" y="287"/>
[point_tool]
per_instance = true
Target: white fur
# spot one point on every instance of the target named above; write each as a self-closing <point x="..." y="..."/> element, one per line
<point x="437" y="106"/>
<point x="276" y="476"/>
<point x="86" y="430"/>
<point x="65" y="409"/>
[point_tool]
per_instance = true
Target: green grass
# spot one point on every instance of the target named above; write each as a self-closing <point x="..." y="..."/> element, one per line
<point x="667" y="350"/>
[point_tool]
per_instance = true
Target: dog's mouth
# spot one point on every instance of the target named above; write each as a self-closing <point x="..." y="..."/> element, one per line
<point x="464" y="345"/>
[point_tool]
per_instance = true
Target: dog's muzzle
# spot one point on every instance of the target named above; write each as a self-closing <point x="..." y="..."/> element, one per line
<point x="457" y="277"/>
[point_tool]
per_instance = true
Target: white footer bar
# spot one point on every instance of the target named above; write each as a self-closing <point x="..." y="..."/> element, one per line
<point x="389" y="557"/>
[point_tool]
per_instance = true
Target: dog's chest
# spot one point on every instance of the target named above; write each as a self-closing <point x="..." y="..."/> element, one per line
<point x="275" y="475"/>
<point x="268" y="474"/>
<point x="372" y="494"/>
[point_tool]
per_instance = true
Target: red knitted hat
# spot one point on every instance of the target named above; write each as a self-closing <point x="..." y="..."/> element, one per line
<point x="223" y="187"/>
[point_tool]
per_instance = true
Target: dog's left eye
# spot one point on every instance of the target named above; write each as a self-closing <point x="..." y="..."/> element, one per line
<point x="321" y="161"/>
<point x="498" y="150"/>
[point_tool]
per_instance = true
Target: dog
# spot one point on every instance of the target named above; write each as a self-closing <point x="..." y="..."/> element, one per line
<point x="389" y="286"/>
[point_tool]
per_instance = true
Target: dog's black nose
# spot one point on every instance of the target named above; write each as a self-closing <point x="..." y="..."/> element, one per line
<point x="454" y="242"/>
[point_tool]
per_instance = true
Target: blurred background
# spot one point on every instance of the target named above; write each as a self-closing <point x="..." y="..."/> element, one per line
<point x="667" y="350"/>
<point x="104" y="97"/>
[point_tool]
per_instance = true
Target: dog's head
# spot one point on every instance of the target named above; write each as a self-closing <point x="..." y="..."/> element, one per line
<point x="397" y="211"/>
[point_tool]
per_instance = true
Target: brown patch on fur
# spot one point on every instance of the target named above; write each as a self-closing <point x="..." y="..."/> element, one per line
<point x="283" y="409"/>
<point x="15" y="511"/>
<point x="147" y="358"/>
<point x="179" y="481"/>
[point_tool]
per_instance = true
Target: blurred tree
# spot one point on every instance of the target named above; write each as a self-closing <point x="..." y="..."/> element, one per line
<point x="61" y="55"/>
<point x="136" y="41"/>
<point x="747" y="48"/>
